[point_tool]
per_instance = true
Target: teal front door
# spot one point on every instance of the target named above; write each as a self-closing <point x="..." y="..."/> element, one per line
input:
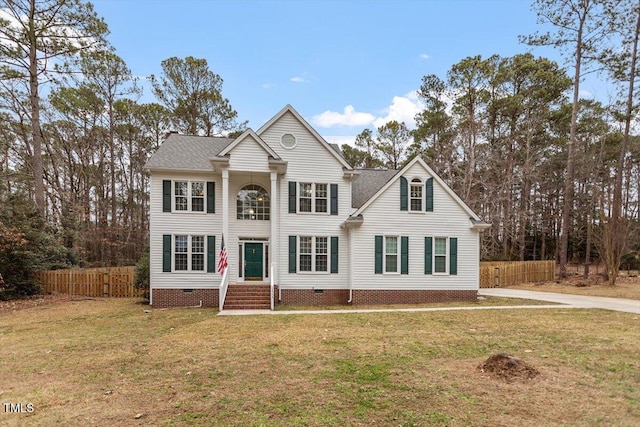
<point x="253" y="261"/>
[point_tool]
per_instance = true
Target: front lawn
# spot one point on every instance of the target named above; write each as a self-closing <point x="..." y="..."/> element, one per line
<point x="108" y="362"/>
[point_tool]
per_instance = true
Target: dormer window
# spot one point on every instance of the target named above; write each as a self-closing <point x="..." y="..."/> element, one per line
<point x="416" y="195"/>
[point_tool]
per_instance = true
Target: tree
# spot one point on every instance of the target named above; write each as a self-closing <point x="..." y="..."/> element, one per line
<point x="37" y="39"/>
<point x="580" y="29"/>
<point x="623" y="66"/>
<point x="391" y="142"/>
<point x="193" y="94"/>
<point x="364" y="141"/>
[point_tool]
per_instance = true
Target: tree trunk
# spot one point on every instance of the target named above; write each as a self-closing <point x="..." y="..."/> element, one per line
<point x="34" y="99"/>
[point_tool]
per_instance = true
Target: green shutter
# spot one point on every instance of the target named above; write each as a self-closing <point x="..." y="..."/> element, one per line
<point x="334" y="254"/>
<point x="211" y="254"/>
<point x="404" y="194"/>
<point x="378" y="255"/>
<point x="293" y="242"/>
<point x="334" y="199"/>
<point x="453" y="256"/>
<point x="429" y="191"/>
<point x="166" y="253"/>
<point x="404" y="255"/>
<point x="211" y="197"/>
<point x="292" y="196"/>
<point x="428" y="255"/>
<point x="166" y="195"/>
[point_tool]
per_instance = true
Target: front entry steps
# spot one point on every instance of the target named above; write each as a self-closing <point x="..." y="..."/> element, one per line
<point x="248" y="297"/>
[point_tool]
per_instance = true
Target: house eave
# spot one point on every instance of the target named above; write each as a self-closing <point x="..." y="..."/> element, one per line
<point x="353" y="222"/>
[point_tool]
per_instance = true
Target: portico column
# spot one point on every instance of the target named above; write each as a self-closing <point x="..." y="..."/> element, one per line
<point x="225" y="205"/>
<point x="274" y="216"/>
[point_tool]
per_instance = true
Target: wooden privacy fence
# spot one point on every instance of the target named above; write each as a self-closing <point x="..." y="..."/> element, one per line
<point x="92" y="282"/>
<point x="504" y="273"/>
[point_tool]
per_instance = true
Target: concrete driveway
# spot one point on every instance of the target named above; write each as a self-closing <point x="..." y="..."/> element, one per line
<point x="579" y="301"/>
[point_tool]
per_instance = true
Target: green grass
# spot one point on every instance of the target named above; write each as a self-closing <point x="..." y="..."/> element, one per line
<point x="103" y="362"/>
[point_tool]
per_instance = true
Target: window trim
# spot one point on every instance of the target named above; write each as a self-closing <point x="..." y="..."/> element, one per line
<point x="384" y="253"/>
<point x="313" y="254"/>
<point x="189" y="196"/>
<point x="189" y="253"/>
<point x="446" y="256"/>
<point x="313" y="198"/>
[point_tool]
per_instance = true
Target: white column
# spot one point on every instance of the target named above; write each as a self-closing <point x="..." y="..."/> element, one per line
<point x="274" y="217"/>
<point x="225" y="206"/>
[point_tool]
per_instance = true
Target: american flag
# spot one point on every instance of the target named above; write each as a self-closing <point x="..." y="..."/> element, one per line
<point x="222" y="259"/>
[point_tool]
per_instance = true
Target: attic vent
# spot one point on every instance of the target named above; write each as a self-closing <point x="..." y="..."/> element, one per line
<point x="288" y="141"/>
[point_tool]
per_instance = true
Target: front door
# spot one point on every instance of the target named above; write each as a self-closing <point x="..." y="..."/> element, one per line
<point x="253" y="261"/>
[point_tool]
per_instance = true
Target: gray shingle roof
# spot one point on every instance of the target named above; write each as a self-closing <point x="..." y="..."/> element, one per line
<point x="187" y="152"/>
<point x="368" y="183"/>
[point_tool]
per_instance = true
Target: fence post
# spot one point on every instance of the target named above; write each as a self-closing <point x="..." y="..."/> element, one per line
<point x="106" y="288"/>
<point x="496" y="277"/>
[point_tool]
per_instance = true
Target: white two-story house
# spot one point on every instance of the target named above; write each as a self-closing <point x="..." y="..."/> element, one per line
<point x="294" y="215"/>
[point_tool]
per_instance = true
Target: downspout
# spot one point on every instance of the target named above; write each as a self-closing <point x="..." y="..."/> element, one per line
<point x="349" y="238"/>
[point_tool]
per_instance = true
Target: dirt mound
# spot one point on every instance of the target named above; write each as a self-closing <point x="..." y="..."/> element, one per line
<point x="507" y="368"/>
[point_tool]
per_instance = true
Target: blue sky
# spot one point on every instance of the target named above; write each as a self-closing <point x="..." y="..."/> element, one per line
<point x="343" y="65"/>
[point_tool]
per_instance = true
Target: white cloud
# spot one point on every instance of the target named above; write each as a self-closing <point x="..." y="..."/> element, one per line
<point x="424" y="56"/>
<point x="402" y="109"/>
<point x="341" y="139"/>
<point x="268" y="85"/>
<point x="298" y="79"/>
<point x="350" y="117"/>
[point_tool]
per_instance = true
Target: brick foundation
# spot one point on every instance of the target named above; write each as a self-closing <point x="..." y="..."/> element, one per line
<point x="374" y="297"/>
<point x="369" y="297"/>
<point x="163" y="298"/>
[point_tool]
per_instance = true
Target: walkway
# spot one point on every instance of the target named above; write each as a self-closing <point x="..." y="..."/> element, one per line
<point x="577" y="301"/>
<point x="567" y="301"/>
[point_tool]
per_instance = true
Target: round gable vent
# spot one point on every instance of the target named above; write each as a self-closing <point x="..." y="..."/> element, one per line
<point x="288" y="141"/>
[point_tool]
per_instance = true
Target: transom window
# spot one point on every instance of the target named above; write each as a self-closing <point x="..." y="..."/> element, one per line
<point x="314" y="253"/>
<point x="416" y="195"/>
<point x="188" y="196"/>
<point x="440" y="255"/>
<point x="313" y="197"/>
<point x="391" y="254"/>
<point x="188" y="253"/>
<point x="253" y="203"/>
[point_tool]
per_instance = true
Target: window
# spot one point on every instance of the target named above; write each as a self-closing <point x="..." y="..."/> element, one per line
<point x="197" y="196"/>
<point x="416" y="195"/>
<point x="188" y="196"/>
<point x="321" y="198"/>
<point x="181" y="253"/>
<point x="306" y="196"/>
<point x="391" y="254"/>
<point x="188" y="253"/>
<point x="197" y="253"/>
<point x="253" y="203"/>
<point x="322" y="247"/>
<point x="440" y="255"/>
<point x="314" y="254"/>
<point x="313" y="197"/>
<point x="305" y="253"/>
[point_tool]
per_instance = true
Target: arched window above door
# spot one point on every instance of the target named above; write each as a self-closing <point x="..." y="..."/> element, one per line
<point x="253" y="203"/>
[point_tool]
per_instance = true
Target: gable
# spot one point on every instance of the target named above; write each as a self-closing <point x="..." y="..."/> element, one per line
<point x="306" y="139"/>
<point x="418" y="169"/>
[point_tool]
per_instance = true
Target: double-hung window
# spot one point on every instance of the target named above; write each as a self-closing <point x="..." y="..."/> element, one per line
<point x="188" y="196"/>
<point x="188" y="253"/>
<point x="440" y="255"/>
<point x="313" y="197"/>
<point x="314" y="254"/>
<point x="391" y="254"/>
